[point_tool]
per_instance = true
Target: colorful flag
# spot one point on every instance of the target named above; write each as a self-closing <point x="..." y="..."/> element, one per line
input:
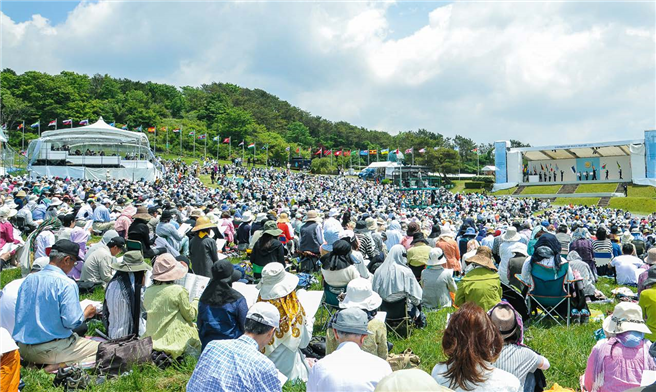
<point x="396" y="151"/>
<point x="328" y="152"/>
<point x="423" y="150"/>
<point x="287" y="149"/>
<point x="298" y="150"/>
<point x="252" y="145"/>
<point x="573" y="169"/>
<point x="409" y="150"/>
<point x="384" y="151"/>
<point x="215" y="138"/>
<point x="52" y="123"/>
<point x="20" y="126"/>
<point x="347" y="153"/>
<point x="67" y="122"/>
<point x="318" y="152"/>
<point x="86" y="122"/>
<point x="541" y="166"/>
<point x="151" y="129"/>
<point x="192" y="133"/>
<point x="603" y="166"/>
<point x="264" y="147"/>
<point x="112" y="124"/>
<point x="162" y="129"/>
<point x="242" y="143"/>
<point x="202" y="137"/>
<point x="139" y="128"/>
<point x="475" y="150"/>
<point x="36" y="124"/>
<point x="177" y="130"/>
<point x="338" y="153"/>
<point x="126" y="127"/>
<point x="364" y="152"/>
<point x="373" y="152"/>
<point x="227" y="140"/>
<point x="618" y="164"/>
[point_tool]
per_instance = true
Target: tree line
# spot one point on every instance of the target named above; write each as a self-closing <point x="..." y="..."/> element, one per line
<point x="217" y="110"/>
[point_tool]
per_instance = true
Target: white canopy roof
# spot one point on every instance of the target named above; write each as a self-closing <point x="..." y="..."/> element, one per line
<point x="489" y="168"/>
<point x="99" y="131"/>
<point x="375" y="165"/>
<point x="589" y="150"/>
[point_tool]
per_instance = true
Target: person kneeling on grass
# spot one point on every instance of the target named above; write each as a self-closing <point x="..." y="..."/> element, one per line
<point x="237" y="364"/>
<point x="618" y="362"/>
<point x="48" y="310"/>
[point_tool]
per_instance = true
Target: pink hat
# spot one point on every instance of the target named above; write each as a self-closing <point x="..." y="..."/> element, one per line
<point x="167" y="268"/>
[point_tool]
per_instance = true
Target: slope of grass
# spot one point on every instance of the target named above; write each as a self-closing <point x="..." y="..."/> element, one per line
<point x="596" y="188"/>
<point x="541" y="190"/>
<point x="641" y="191"/>
<point x="502" y="192"/>
<point x="639" y="205"/>
<point x="583" y="201"/>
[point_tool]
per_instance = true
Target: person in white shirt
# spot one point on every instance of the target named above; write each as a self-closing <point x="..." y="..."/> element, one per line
<point x="348" y="368"/>
<point x="9" y="295"/>
<point x="627" y="266"/>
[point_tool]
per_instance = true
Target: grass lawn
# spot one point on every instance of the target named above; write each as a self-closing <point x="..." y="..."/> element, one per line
<point x="459" y="187"/>
<point x="502" y="192"/>
<point x="584" y="201"/>
<point x="639" y="205"/>
<point x="541" y="190"/>
<point x="596" y="188"/>
<point x="641" y="191"/>
<point x="566" y="348"/>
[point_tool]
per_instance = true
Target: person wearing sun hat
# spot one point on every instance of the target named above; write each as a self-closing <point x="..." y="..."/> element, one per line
<point x="359" y="294"/>
<point x="449" y="246"/>
<point x="170" y="313"/>
<point x="515" y="358"/>
<point x="267" y="249"/>
<point x="481" y="285"/>
<point x="122" y="306"/>
<point x="618" y="362"/>
<point x="437" y="282"/>
<point x="202" y="248"/>
<point x="277" y="287"/>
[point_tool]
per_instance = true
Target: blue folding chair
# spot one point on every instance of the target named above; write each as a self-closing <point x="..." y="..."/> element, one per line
<point x="330" y="301"/>
<point x="549" y="289"/>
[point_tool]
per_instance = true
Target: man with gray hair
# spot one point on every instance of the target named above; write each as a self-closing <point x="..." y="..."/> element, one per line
<point x="348" y="368"/>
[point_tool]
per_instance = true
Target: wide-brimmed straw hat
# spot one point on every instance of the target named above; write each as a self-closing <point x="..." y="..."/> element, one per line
<point x="133" y="261"/>
<point x="627" y="316"/>
<point x="271" y="228"/>
<point x="511" y="235"/>
<point x="359" y="294"/>
<point x="167" y="268"/>
<point x="6" y="212"/>
<point x="313" y="216"/>
<point x="483" y="257"/>
<point x="202" y="223"/>
<point x="276" y="282"/>
<point x="142" y="213"/>
<point x="283" y="217"/>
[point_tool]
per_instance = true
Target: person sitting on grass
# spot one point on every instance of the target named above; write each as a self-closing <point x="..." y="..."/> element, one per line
<point x="237" y="364"/>
<point x="515" y="357"/>
<point x="437" y="282"/>
<point x="481" y="285"/>
<point x="627" y="266"/>
<point x="618" y="362"/>
<point x="9" y="362"/>
<point x="97" y="268"/>
<point x="221" y="309"/>
<point x="48" y="311"/>
<point x="170" y="314"/>
<point x="472" y="343"/>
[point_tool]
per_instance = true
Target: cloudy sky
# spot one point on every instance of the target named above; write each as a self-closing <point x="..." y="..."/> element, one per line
<point x="540" y="72"/>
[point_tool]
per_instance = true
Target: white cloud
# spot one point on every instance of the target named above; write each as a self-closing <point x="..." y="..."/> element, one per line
<point x="538" y="72"/>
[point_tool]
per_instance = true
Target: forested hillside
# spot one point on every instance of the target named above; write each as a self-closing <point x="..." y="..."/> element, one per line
<point x="217" y="110"/>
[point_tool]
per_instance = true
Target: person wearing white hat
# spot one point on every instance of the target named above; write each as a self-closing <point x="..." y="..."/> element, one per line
<point x="238" y="364"/>
<point x="617" y="363"/>
<point x="449" y="246"/>
<point x="277" y="287"/>
<point x="359" y="294"/>
<point x="349" y="368"/>
<point x="437" y="282"/>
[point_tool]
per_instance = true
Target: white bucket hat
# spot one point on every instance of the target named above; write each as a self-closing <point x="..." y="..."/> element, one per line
<point x="276" y="282"/>
<point x="511" y="235"/>
<point x="626" y="316"/>
<point x="359" y="294"/>
<point x="436" y="257"/>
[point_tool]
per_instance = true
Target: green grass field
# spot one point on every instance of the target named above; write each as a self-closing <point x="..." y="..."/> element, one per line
<point x="541" y="190"/>
<point x="503" y="192"/>
<point x="596" y="188"/>
<point x="639" y="205"/>
<point x="459" y="187"/>
<point x="566" y="348"/>
<point x="641" y="191"/>
<point x="583" y="201"/>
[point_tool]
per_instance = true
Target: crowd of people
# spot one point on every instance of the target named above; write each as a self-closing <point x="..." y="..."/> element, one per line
<point x="480" y="254"/>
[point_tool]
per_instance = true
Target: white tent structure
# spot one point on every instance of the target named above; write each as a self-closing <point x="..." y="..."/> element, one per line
<point x="95" y="151"/>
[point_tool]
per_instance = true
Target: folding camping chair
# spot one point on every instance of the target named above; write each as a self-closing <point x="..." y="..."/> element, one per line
<point x="397" y="319"/>
<point x="549" y="289"/>
<point x="330" y="301"/>
<point x="134" y="245"/>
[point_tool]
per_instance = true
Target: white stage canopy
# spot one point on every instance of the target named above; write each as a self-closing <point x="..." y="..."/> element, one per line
<point x="590" y="150"/>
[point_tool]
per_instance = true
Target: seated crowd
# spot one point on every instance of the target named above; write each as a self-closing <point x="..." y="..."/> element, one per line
<point x="374" y="260"/>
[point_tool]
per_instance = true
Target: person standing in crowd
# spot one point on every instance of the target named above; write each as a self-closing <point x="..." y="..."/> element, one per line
<point x="202" y="248"/>
<point x="268" y="249"/>
<point x="437" y="282"/>
<point x="618" y="362"/>
<point x="170" y="314"/>
<point x="472" y="344"/>
<point x="122" y="310"/>
<point x="516" y="358"/>
<point x="48" y="311"/>
<point x="221" y="309"/>
<point x="349" y="367"/>
<point x="481" y="285"/>
<point x="237" y="364"/>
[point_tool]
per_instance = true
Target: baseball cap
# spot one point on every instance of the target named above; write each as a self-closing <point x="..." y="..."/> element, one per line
<point x="39" y="263"/>
<point x="68" y="247"/>
<point x="116" y="241"/>
<point x="264" y="313"/>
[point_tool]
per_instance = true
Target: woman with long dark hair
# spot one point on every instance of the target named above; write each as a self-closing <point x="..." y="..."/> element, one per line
<point x="472" y="343"/>
<point x="267" y="249"/>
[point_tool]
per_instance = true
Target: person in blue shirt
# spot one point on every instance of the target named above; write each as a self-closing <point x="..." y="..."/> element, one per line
<point x="238" y="364"/>
<point x="39" y="213"/>
<point x="48" y="310"/>
<point x="101" y="219"/>
<point x="221" y="309"/>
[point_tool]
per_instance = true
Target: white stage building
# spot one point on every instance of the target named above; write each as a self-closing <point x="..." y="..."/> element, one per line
<point x="95" y="151"/>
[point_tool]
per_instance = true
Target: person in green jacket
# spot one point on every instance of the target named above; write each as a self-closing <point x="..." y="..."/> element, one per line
<point x="418" y="254"/>
<point x="481" y="285"/>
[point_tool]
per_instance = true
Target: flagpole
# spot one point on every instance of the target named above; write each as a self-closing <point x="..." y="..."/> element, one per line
<point x="193" y="137"/>
<point x="205" y="158"/>
<point x="167" y="139"/>
<point x="181" y="130"/>
<point x="267" y="161"/>
<point x="218" y="144"/>
<point x="23" y="142"/>
<point x="55" y="124"/>
<point x="155" y="146"/>
<point x="39" y="126"/>
<point x="243" y="150"/>
<point x="230" y="148"/>
<point x="254" y="149"/>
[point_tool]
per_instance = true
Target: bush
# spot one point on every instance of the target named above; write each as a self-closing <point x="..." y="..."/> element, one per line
<point x="474" y="185"/>
<point x="322" y="166"/>
<point x="485" y="179"/>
